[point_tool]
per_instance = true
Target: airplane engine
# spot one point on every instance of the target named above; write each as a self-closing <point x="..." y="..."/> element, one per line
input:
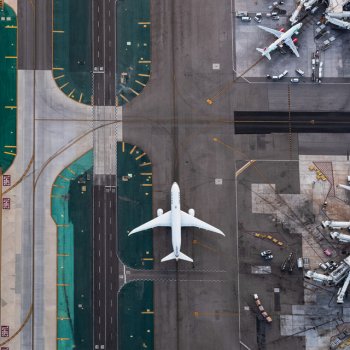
<point x="295" y="40"/>
<point x="191" y="212"/>
<point x="159" y="212"/>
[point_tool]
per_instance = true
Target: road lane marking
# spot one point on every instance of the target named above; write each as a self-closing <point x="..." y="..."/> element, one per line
<point x="64" y="85"/>
<point x="71" y="93"/>
<point x="139" y="82"/>
<point x="135" y="92"/>
<point x="72" y="171"/>
<point x="59" y="77"/>
<point x="140" y="156"/>
<point x="144" y="164"/>
<point x="244" y="167"/>
<point x="123" y="97"/>
<point x="147" y="312"/>
<point x="132" y="150"/>
<point x="11" y="154"/>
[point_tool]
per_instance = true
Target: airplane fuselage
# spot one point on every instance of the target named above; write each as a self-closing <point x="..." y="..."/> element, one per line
<point x="175" y="219"/>
<point x="284" y="36"/>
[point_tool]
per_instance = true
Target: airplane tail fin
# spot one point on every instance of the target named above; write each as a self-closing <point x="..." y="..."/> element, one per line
<point x="181" y="256"/>
<point x="264" y="53"/>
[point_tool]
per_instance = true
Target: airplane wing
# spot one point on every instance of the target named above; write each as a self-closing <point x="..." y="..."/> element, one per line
<point x="163" y="220"/>
<point x="290" y="43"/>
<point x="188" y="220"/>
<point x="275" y="32"/>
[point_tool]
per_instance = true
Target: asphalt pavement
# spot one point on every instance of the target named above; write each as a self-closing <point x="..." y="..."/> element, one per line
<point x="105" y="262"/>
<point x="104" y="54"/>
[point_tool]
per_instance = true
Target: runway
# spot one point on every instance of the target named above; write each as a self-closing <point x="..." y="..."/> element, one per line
<point x="105" y="274"/>
<point x="104" y="55"/>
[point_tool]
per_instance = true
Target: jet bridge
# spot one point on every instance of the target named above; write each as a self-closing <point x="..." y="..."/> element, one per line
<point x="343" y="289"/>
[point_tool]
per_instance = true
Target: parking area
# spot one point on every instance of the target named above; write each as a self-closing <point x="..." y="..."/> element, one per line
<point x="248" y="37"/>
<point x="260" y="229"/>
<point x="281" y="206"/>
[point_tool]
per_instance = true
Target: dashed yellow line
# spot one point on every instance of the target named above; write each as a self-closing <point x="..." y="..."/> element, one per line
<point x="57" y="68"/>
<point x="143" y="75"/>
<point x="62" y="285"/>
<point x="10" y="146"/>
<point x="71" y="93"/>
<point x="63" y="339"/>
<point x="58" y="31"/>
<point x="140" y="156"/>
<point x="71" y="170"/>
<point x="146" y="174"/>
<point x="61" y="87"/>
<point x="144" y="62"/>
<point x="81" y="96"/>
<point x="144" y="23"/>
<point x="148" y="259"/>
<point x="11" y="154"/>
<point x="54" y="185"/>
<point x="146" y="185"/>
<point x="11" y="27"/>
<point x="62" y="254"/>
<point x="14" y="57"/>
<point x="10" y="107"/>
<point x="64" y="178"/>
<point x="147" y="312"/>
<point x="132" y="150"/>
<point x="59" y="77"/>
<point x="123" y="147"/>
<point x="62" y="225"/>
<point x="135" y="92"/>
<point x="139" y="82"/>
<point x="145" y="164"/>
<point x="244" y="167"/>
<point x="63" y="319"/>
<point x="123" y="97"/>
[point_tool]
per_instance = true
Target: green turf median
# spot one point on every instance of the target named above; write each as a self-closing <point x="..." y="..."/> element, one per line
<point x="71" y="205"/>
<point x="134" y="206"/>
<point x="136" y="317"/>
<point x="72" y="60"/>
<point x="8" y="86"/>
<point x="133" y="48"/>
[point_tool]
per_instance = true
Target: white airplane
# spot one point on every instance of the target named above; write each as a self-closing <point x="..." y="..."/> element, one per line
<point x="282" y="38"/>
<point x="176" y="218"/>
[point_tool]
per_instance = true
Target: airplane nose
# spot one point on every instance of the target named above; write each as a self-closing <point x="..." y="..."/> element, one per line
<point x="175" y="186"/>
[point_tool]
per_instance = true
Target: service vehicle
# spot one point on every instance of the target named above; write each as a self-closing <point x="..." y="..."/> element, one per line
<point x="294" y="80"/>
<point x="323" y="266"/>
<point x="327" y="252"/>
<point x="265" y="253"/>
<point x="299" y="71"/>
